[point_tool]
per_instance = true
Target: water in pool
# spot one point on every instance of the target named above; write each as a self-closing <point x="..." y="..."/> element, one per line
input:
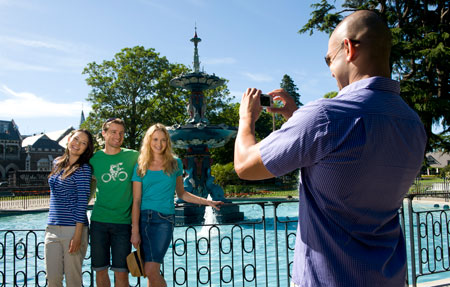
<point x="32" y="225"/>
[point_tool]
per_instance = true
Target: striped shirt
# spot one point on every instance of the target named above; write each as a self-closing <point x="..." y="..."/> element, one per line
<point x="358" y="155"/>
<point x="69" y="197"/>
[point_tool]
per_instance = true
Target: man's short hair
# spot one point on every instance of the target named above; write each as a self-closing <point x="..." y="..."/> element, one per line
<point x="110" y="121"/>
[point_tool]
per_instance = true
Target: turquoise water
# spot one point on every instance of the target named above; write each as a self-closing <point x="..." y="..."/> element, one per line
<point x="431" y="227"/>
<point x="198" y="246"/>
<point x="434" y="238"/>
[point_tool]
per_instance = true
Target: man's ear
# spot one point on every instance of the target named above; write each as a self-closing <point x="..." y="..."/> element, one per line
<point x="350" y="50"/>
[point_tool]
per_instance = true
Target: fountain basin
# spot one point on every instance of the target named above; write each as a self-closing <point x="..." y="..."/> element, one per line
<point x="186" y="214"/>
<point x="201" y="134"/>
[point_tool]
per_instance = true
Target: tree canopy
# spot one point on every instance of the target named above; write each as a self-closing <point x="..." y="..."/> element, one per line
<point x="134" y="86"/>
<point x="289" y="86"/>
<point x="419" y="57"/>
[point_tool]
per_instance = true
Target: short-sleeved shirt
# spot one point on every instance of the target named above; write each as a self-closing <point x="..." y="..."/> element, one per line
<point x="358" y="155"/>
<point x="114" y="195"/>
<point x="158" y="189"/>
<point x="69" y="197"/>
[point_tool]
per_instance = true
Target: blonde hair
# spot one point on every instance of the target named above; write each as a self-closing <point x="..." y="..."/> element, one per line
<point x="146" y="156"/>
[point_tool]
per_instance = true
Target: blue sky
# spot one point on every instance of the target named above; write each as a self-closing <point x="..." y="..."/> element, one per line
<point x="45" y="45"/>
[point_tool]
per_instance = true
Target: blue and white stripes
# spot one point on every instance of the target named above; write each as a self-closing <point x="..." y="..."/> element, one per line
<point x="69" y="197"/>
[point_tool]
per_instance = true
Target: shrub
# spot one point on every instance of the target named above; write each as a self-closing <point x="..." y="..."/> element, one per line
<point x="224" y="174"/>
<point x="445" y="172"/>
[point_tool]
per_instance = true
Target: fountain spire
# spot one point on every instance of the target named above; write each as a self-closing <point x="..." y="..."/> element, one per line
<point x="197" y="136"/>
<point x="196" y="40"/>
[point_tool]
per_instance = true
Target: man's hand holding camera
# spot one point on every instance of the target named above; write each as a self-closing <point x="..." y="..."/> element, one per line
<point x="289" y="106"/>
<point x="250" y="108"/>
<point x="253" y="102"/>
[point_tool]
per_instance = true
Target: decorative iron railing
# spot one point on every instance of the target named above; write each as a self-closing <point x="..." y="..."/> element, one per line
<point x="255" y="252"/>
<point x="428" y="232"/>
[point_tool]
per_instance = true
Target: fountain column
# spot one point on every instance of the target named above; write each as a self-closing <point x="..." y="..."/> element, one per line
<point x="197" y="136"/>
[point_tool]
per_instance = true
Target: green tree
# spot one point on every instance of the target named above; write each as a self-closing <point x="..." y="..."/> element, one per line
<point x="225" y="174"/>
<point x="330" y="95"/>
<point x="228" y="115"/>
<point x="135" y="87"/>
<point x="289" y="86"/>
<point x="420" y="52"/>
<point x="218" y="104"/>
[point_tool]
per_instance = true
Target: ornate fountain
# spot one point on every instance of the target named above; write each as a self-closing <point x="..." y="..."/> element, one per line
<point x="197" y="136"/>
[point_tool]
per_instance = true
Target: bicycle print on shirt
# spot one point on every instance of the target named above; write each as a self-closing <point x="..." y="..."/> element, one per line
<point x="116" y="172"/>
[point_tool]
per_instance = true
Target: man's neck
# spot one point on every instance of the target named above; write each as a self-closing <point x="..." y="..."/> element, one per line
<point x="111" y="150"/>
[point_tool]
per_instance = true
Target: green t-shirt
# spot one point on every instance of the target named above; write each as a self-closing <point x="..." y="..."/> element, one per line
<point x="158" y="189"/>
<point x="114" y="195"/>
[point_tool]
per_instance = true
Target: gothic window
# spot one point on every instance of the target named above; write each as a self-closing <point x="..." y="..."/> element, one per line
<point x="43" y="164"/>
<point x="12" y="149"/>
<point x="3" y="128"/>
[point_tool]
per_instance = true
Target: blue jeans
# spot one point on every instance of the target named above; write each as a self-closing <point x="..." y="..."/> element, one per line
<point x="106" y="237"/>
<point x="156" y="231"/>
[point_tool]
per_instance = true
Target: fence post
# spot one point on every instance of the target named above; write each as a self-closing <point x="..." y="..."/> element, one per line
<point x="275" y="228"/>
<point x="411" y="242"/>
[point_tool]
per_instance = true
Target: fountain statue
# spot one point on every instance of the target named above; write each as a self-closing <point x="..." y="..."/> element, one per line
<point x="197" y="136"/>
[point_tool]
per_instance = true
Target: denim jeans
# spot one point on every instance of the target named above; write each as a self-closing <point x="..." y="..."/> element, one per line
<point x="110" y="239"/>
<point x="156" y="231"/>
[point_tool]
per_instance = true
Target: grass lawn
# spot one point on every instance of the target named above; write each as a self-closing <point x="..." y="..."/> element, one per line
<point x="264" y="194"/>
<point x="278" y="193"/>
<point x="425" y="183"/>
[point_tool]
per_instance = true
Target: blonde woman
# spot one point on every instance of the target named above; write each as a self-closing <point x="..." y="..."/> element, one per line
<point x="157" y="176"/>
<point x="66" y="235"/>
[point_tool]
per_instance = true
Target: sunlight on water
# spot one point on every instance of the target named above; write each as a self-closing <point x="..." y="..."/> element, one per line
<point x="435" y="260"/>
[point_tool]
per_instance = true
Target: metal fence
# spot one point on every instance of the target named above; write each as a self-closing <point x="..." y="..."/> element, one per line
<point x="255" y="252"/>
<point x="24" y="202"/>
<point x="428" y="232"/>
<point x="437" y="189"/>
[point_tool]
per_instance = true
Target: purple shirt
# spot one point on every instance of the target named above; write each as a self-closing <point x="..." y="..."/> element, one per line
<point x="358" y="155"/>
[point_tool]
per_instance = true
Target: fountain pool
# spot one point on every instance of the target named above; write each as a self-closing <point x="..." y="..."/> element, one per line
<point x="249" y="252"/>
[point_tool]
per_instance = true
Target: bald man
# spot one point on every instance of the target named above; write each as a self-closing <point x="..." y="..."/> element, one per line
<point x="358" y="155"/>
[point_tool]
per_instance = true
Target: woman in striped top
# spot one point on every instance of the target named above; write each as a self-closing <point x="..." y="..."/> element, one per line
<point x="66" y="235"/>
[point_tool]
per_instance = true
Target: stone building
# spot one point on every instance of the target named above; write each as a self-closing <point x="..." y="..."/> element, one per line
<point x="436" y="161"/>
<point x="10" y="149"/>
<point x="39" y="151"/>
<point x="28" y="153"/>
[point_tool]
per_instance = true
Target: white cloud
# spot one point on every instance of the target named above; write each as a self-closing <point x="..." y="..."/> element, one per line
<point x="27" y="105"/>
<point x="260" y="78"/>
<point x="15" y="3"/>
<point x="37" y="53"/>
<point x="198" y="3"/>
<point x="12" y="65"/>
<point x="219" y="61"/>
<point x="54" y="45"/>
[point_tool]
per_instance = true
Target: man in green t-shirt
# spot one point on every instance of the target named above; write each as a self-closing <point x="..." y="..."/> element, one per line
<point x="111" y="216"/>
